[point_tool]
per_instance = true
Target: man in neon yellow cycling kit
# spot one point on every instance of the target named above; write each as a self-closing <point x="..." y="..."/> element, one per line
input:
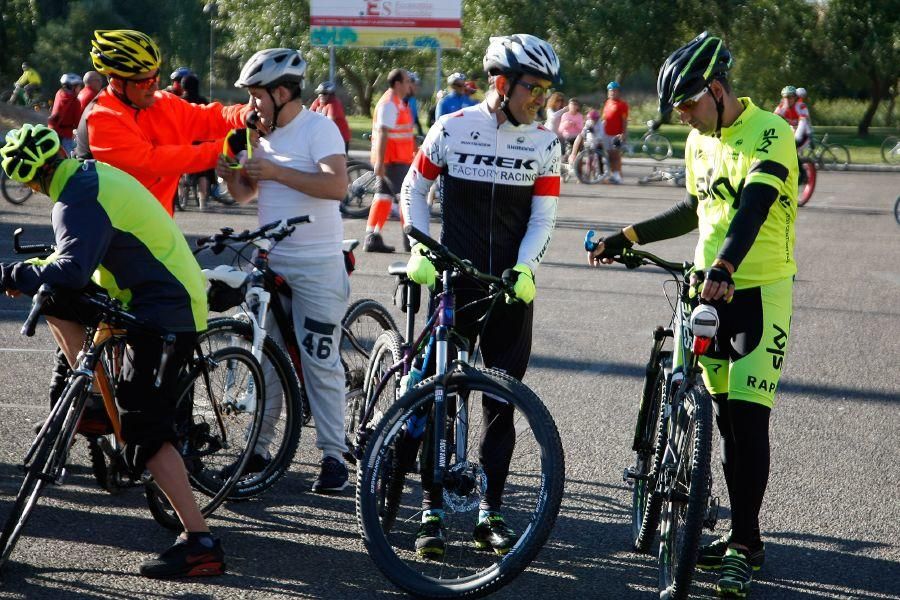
<point x="26" y="87"/>
<point x="741" y="179"/>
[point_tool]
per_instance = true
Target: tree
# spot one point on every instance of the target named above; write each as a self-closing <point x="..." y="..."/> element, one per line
<point x="864" y="45"/>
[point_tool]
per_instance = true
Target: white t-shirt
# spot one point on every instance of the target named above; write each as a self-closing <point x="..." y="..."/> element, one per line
<point x="386" y="116"/>
<point x="300" y="145"/>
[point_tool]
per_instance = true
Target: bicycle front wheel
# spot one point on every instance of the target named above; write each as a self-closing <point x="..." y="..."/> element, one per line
<point x="218" y="418"/>
<point x="834" y="157"/>
<point x="657" y="146"/>
<point x="13" y="191"/>
<point x="45" y="461"/>
<point x="531" y="491"/>
<point x="686" y="472"/>
<point x="283" y="415"/>
<point x="649" y="447"/>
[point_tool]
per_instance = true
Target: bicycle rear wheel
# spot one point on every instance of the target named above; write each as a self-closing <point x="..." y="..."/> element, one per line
<point x="589" y="166"/>
<point x="360" y="191"/>
<point x="686" y="472"/>
<point x="650" y="438"/>
<point x="834" y="157"/>
<point x="385" y="353"/>
<point x="48" y="455"/>
<point x="657" y="146"/>
<point x="532" y="491"/>
<point x="890" y="150"/>
<point x="13" y="191"/>
<point x="283" y="415"/>
<point x="363" y="322"/>
<point x="218" y="417"/>
<point x="806" y="182"/>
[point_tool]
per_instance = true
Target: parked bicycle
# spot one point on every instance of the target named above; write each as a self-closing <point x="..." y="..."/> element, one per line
<point x="672" y="174"/>
<point x="827" y="156"/>
<point x="404" y="440"/>
<point x="216" y="422"/>
<point x="671" y="480"/>
<point x="14" y="191"/>
<point x="890" y="150"/>
<point x="260" y="292"/>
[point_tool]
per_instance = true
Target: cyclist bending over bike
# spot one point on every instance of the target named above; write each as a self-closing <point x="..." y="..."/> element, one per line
<point x="741" y="168"/>
<point x="108" y="225"/>
<point x="500" y="200"/>
<point x="298" y="167"/>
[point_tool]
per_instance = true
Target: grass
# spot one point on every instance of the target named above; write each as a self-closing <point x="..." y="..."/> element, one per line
<point x="862" y="150"/>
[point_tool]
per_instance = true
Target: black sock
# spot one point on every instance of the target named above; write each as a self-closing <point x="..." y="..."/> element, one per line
<point x="200" y="537"/>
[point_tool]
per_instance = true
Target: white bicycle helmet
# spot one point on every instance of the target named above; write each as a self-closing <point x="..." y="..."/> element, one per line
<point x="801" y="92"/>
<point x="70" y="80"/>
<point x="455" y="78"/>
<point x="522" y="54"/>
<point x="273" y="67"/>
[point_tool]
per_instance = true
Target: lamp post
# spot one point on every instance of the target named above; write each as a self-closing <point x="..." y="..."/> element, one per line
<point x="211" y="9"/>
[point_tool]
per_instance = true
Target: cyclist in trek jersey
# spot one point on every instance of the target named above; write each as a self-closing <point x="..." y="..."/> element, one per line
<point x="500" y="182"/>
<point x="742" y="172"/>
<point x="793" y="110"/>
<point x="106" y="224"/>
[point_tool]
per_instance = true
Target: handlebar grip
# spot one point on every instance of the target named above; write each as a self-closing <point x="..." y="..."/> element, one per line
<point x="20" y="248"/>
<point x="37" y="303"/>
<point x="302" y="219"/>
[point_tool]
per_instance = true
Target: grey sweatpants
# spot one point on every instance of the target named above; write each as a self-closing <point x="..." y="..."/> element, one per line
<point x="320" y="292"/>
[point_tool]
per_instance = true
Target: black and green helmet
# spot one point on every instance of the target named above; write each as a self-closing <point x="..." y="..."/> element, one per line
<point x="27" y="150"/>
<point x="690" y="68"/>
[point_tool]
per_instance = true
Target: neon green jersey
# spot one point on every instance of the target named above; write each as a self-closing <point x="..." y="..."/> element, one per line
<point x="757" y="148"/>
<point x="29" y="77"/>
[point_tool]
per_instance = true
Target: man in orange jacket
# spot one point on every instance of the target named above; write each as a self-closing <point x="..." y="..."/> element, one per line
<point x="146" y="132"/>
<point x="393" y="147"/>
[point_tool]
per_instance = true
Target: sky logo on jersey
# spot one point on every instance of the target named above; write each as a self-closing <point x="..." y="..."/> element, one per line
<point x="768" y="136"/>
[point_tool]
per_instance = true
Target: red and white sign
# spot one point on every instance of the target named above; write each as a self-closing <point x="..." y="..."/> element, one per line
<point x="386" y="23"/>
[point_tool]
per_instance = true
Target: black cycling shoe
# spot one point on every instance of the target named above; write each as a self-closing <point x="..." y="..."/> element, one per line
<point x="255" y="464"/>
<point x="494" y="534"/>
<point x="431" y="539"/>
<point x="710" y="556"/>
<point x="375" y="243"/>
<point x="187" y="558"/>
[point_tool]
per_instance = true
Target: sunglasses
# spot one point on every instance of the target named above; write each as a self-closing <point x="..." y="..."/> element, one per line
<point x="226" y="148"/>
<point x="146" y="83"/>
<point x="536" y="90"/>
<point x="691" y="102"/>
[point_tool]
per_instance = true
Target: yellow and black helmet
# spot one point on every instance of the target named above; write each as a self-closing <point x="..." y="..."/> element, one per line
<point x="124" y="52"/>
<point x="27" y="149"/>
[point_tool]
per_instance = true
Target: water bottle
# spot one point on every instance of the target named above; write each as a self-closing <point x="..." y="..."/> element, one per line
<point x="415" y="375"/>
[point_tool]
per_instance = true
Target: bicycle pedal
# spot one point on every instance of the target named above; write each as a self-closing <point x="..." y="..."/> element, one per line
<point x="712" y="513"/>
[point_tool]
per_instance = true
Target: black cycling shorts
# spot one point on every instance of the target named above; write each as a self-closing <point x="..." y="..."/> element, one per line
<point x="147" y="412"/>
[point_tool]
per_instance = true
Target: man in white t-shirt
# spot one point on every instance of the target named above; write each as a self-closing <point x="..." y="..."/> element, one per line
<point x="299" y="167"/>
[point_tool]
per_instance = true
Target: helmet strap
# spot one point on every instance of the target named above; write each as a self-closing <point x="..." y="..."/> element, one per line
<point x="46" y="172"/>
<point x="720" y="109"/>
<point x="504" y="102"/>
<point x="118" y="87"/>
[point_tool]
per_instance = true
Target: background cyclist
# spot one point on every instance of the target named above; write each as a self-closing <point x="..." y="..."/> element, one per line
<point x="107" y="224"/>
<point x="27" y="86"/>
<point x="501" y="218"/>
<point x="66" y="111"/>
<point x="298" y="168"/>
<point x="327" y="103"/>
<point x="742" y="172"/>
<point x="455" y="98"/>
<point x="794" y="111"/>
<point x="615" y="130"/>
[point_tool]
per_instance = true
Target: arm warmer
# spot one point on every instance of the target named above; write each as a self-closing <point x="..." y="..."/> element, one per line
<point x="678" y="220"/>
<point x="756" y="199"/>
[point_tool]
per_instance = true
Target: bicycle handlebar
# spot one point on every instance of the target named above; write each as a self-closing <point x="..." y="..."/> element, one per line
<point x="37" y="303"/>
<point x="633" y="259"/>
<point x="227" y="234"/>
<point x="442" y="254"/>
<point x="20" y="248"/>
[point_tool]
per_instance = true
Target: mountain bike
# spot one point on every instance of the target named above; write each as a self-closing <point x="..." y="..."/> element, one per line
<point x="361" y="188"/>
<point x="673" y="174"/>
<point x="13" y="191"/>
<point x="434" y="429"/>
<point x="890" y="150"/>
<point x="671" y="481"/>
<point x="216" y="422"/>
<point x="827" y="156"/>
<point x="262" y="292"/>
<point x="590" y="164"/>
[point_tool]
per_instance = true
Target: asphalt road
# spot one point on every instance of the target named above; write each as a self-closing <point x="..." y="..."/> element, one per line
<point x="832" y="510"/>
